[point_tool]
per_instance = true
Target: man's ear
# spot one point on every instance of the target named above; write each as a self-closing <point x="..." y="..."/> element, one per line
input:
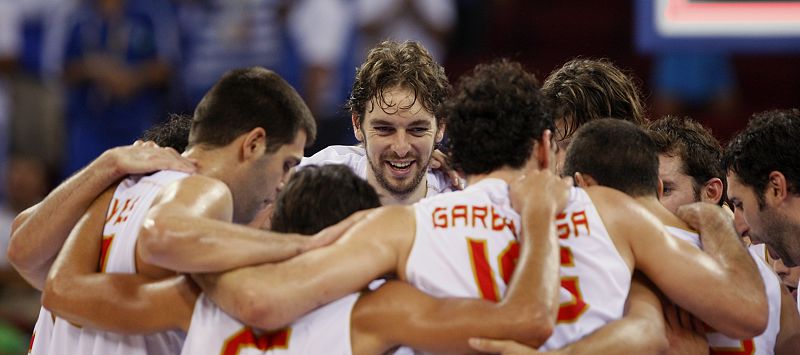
<point x="777" y="188"/>
<point x="439" y="132"/>
<point x="660" y="189"/>
<point x="584" y="181"/>
<point x="712" y="191"/>
<point x="541" y="150"/>
<point x="254" y="143"/>
<point x="359" y="134"/>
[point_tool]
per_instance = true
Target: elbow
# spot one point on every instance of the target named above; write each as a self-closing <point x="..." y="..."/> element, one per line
<point x="54" y="293"/>
<point x="652" y="337"/>
<point x="16" y="251"/>
<point x="754" y="323"/>
<point x="532" y="327"/>
<point x="259" y="310"/>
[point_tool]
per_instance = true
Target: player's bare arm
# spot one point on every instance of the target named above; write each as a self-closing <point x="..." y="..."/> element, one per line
<point x="273" y="295"/>
<point x="693" y="279"/>
<point x="39" y="232"/>
<point x="788" y="340"/>
<point x="123" y="303"/>
<point x="188" y="229"/>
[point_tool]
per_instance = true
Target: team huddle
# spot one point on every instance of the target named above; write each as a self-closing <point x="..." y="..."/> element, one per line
<point x="554" y="218"/>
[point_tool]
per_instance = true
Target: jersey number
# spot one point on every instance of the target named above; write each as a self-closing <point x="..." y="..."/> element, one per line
<point x="746" y="347"/>
<point x="245" y="338"/>
<point x="507" y="260"/>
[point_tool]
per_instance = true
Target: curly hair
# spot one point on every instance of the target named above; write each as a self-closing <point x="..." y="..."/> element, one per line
<point x="767" y="144"/>
<point x="299" y="208"/>
<point x="494" y="117"/>
<point x="698" y="150"/>
<point x="391" y="64"/>
<point x="587" y="89"/>
<point x="174" y="133"/>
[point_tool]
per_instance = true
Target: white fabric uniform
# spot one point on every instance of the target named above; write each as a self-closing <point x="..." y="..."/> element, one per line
<point x="132" y="200"/>
<point x="323" y="331"/>
<point x="763" y="344"/>
<point x="355" y="157"/>
<point x="466" y="246"/>
<point x="42" y="333"/>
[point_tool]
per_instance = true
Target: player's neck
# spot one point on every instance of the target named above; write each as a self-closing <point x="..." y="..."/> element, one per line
<point x="654" y="206"/>
<point x="210" y="162"/>
<point x="505" y="174"/>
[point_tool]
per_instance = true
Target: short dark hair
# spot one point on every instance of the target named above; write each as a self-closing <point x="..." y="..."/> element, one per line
<point x="698" y="150"/>
<point x="767" y="144"/>
<point x="406" y="64"/>
<point x="615" y="153"/>
<point x="248" y="98"/>
<point x="319" y="196"/>
<point x="173" y="133"/>
<point x="588" y="89"/>
<point x="494" y="117"/>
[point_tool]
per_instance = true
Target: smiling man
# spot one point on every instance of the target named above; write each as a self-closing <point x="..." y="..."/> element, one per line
<point x="393" y="105"/>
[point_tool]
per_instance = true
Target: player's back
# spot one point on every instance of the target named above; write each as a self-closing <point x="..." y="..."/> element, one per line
<point x="763" y="344"/>
<point x="324" y="331"/>
<point x="130" y="204"/>
<point x="466" y="246"/>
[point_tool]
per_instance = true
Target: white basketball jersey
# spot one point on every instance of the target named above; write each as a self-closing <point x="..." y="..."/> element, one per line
<point x="42" y="333"/>
<point x="129" y="206"/>
<point x="466" y="246"/>
<point x="323" y="331"/>
<point x="763" y="344"/>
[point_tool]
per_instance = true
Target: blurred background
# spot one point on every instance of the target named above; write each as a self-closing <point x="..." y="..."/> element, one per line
<point x="80" y="76"/>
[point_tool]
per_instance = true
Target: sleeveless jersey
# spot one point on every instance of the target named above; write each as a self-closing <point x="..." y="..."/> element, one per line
<point x="129" y="206"/>
<point x="323" y="331"/>
<point x="42" y="333"/>
<point x="466" y="246"/>
<point x="355" y="158"/>
<point x="763" y="344"/>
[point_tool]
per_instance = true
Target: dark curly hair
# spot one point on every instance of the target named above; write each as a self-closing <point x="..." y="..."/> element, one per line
<point x="587" y="89"/>
<point x="494" y="117"/>
<point x="696" y="147"/>
<point x="174" y="133"/>
<point x="617" y="154"/>
<point x="767" y="144"/>
<point x="391" y="64"/>
<point x="320" y="196"/>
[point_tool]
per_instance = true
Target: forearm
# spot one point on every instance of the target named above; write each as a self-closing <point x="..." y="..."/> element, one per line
<point x="128" y="304"/>
<point x="40" y="231"/>
<point x="200" y="245"/>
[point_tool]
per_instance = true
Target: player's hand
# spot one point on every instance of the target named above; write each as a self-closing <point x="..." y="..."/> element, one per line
<point x="540" y="189"/>
<point x="503" y="347"/>
<point x="332" y="233"/>
<point x="440" y="161"/>
<point x="685" y="333"/>
<point x="145" y="157"/>
<point x="704" y="216"/>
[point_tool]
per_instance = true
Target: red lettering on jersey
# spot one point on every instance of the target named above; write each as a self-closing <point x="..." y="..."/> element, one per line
<point x="512" y="227"/>
<point x="484" y="276"/>
<point x="579" y="219"/>
<point x="746" y="347"/>
<point x="113" y="211"/>
<point x="120" y="217"/>
<point x="479" y="214"/>
<point x="570" y="311"/>
<point x="105" y="245"/>
<point x="562" y="228"/>
<point x="246" y="338"/>
<point x="440" y="217"/>
<point x="508" y="261"/>
<point x="460" y="212"/>
<point x="498" y="221"/>
<point x="566" y="257"/>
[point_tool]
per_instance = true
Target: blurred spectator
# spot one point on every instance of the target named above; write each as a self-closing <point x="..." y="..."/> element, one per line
<point x="426" y="21"/>
<point x="26" y="184"/>
<point x="219" y="35"/>
<point x="115" y="75"/>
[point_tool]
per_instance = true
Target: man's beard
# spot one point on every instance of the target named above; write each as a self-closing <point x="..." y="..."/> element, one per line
<point x="782" y="236"/>
<point x="403" y="190"/>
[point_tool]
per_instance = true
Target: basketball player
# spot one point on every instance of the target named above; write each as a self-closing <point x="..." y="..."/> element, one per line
<point x="241" y="167"/>
<point x="394" y="106"/>
<point x="763" y="181"/>
<point x="583" y="90"/>
<point x="448" y="245"/>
